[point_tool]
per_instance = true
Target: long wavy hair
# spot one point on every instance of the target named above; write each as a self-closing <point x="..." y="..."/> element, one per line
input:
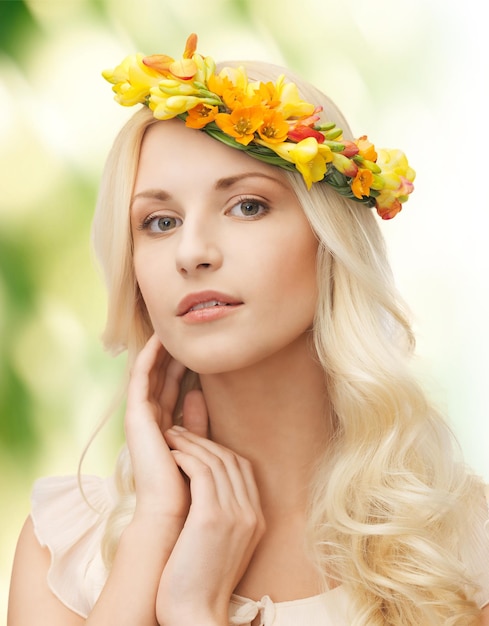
<point x="390" y="501"/>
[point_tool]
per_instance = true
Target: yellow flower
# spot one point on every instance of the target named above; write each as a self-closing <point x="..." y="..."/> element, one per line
<point x="173" y="87"/>
<point x="388" y="197"/>
<point x="205" y="68"/>
<point x="274" y="128"/>
<point x="132" y="80"/>
<point x="397" y="178"/>
<point x="291" y="104"/>
<point x="395" y="166"/>
<point x="308" y="160"/>
<point x="308" y="156"/>
<point x="173" y="97"/>
<point x="344" y="165"/>
<point x="377" y="182"/>
<point x="166" y="107"/>
<point x="201" y="115"/>
<point x="232" y="79"/>
<point x="241" y="124"/>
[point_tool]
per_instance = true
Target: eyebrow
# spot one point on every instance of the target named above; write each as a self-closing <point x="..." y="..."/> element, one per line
<point x="222" y="183"/>
<point x="153" y="194"/>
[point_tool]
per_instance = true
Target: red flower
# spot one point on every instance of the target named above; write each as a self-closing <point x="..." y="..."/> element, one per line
<point x="351" y="149"/>
<point x="300" y="132"/>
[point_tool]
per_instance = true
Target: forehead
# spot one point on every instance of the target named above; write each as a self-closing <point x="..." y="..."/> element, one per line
<point x="171" y="151"/>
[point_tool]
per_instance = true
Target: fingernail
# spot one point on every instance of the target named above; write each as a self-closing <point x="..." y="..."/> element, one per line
<point x="178" y="429"/>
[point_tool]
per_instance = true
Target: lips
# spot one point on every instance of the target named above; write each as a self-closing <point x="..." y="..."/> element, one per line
<point x="208" y="305"/>
<point x="205" y="300"/>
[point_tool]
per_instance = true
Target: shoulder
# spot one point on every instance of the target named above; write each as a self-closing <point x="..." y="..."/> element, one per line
<point x="89" y="495"/>
<point x="59" y="549"/>
<point x="30" y="598"/>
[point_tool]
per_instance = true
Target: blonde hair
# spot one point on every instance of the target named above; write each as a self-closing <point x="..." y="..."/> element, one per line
<point x="390" y="499"/>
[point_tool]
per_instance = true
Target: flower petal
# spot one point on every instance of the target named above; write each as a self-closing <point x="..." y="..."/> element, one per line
<point x="185" y="69"/>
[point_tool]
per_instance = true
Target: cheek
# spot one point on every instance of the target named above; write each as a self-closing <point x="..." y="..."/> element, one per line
<point x="141" y="277"/>
<point x="299" y="258"/>
<point x="152" y="277"/>
<point x="291" y="279"/>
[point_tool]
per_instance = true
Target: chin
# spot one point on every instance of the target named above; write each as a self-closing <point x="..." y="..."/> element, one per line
<point x="214" y="361"/>
<point x="212" y="366"/>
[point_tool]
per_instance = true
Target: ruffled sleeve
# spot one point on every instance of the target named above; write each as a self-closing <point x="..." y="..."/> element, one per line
<point x="70" y="522"/>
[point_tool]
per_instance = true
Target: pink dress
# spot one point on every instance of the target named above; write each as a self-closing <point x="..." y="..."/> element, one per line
<point x="72" y="525"/>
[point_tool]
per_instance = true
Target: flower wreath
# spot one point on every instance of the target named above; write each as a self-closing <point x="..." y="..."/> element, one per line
<point x="269" y="121"/>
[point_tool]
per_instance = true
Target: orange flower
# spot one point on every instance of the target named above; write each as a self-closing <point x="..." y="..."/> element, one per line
<point x="366" y="149"/>
<point x="388" y="212"/>
<point x="217" y="84"/>
<point x="190" y="46"/>
<point x="231" y="84"/>
<point x="235" y="99"/>
<point x="274" y="128"/>
<point x="201" y="115"/>
<point x="265" y="94"/>
<point x="159" y="63"/>
<point x="231" y="96"/>
<point x="185" y="69"/>
<point x="361" y="183"/>
<point x="242" y="123"/>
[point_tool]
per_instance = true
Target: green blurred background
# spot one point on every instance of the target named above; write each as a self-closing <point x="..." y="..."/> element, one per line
<point x="412" y="74"/>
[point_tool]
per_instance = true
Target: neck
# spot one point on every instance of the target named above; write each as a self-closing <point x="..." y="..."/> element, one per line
<point x="275" y="414"/>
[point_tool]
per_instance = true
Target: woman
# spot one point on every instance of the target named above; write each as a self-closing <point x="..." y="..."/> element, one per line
<point x="283" y="466"/>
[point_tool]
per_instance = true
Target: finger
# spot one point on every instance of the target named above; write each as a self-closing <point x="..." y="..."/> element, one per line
<point x="171" y="377"/>
<point x="163" y="367"/>
<point x="155" y="378"/>
<point x="223" y="463"/>
<point x="141" y="378"/>
<point x="201" y="478"/>
<point x="213" y="499"/>
<point x="195" y="416"/>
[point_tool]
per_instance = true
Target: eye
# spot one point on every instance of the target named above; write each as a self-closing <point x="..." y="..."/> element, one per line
<point x="161" y="223"/>
<point x="248" y="207"/>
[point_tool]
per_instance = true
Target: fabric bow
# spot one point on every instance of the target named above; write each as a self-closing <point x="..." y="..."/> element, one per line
<point x="248" y="612"/>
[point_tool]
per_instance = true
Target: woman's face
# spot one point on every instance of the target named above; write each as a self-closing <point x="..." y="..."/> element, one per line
<point x="224" y="256"/>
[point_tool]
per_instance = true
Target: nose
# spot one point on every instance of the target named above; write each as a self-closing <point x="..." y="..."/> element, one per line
<point x="198" y="248"/>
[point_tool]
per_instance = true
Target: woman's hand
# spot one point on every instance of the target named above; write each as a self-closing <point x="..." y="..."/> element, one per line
<point x="221" y="532"/>
<point x="162" y="492"/>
